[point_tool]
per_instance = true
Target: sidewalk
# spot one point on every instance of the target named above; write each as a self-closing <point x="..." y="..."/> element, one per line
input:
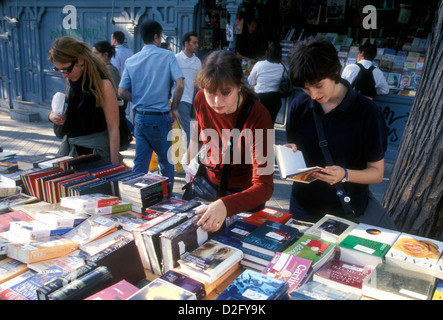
<point x="27" y="138"/>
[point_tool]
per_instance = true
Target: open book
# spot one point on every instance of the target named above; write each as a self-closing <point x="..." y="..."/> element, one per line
<point x="292" y="165"/>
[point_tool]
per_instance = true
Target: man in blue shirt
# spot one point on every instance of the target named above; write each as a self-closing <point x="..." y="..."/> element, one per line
<point x="122" y="53"/>
<point x="146" y="81"/>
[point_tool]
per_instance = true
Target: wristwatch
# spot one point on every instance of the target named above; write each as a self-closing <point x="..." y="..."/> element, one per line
<point x="346" y="176"/>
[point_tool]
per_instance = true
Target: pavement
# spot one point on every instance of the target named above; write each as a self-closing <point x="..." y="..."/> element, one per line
<point x="28" y="138"/>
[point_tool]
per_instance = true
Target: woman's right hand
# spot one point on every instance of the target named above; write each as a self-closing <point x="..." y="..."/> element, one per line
<point x="293" y="146"/>
<point x="58" y="120"/>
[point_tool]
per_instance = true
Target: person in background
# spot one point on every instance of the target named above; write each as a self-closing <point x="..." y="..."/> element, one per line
<point x="166" y="45"/>
<point x="217" y="105"/>
<point x="250" y="45"/>
<point x="146" y="82"/>
<point x="265" y="76"/>
<point x="190" y="64"/>
<point x="355" y="131"/>
<point x="91" y="122"/>
<point x="366" y="55"/>
<point x="121" y="52"/>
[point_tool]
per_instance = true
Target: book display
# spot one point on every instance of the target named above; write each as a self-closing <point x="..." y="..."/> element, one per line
<point x="83" y="244"/>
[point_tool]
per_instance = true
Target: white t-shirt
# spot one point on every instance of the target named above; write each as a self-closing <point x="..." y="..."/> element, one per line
<point x="189" y="67"/>
<point x="351" y="70"/>
<point x="265" y="76"/>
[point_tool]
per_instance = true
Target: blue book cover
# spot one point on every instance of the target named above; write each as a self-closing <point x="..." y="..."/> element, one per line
<point x="253" y="285"/>
<point x="234" y="234"/>
<point x="271" y="237"/>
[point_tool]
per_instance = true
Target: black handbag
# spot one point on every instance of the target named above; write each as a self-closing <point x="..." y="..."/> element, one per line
<point x="200" y="186"/>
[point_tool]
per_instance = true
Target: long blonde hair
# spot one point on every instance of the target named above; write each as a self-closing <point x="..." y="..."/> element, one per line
<point x="68" y="50"/>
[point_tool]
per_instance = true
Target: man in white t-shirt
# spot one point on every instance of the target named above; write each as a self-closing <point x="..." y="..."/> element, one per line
<point x="366" y="55"/>
<point x="190" y="64"/>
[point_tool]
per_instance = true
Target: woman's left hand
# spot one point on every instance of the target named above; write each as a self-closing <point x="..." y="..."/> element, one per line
<point x="213" y="216"/>
<point x="330" y="175"/>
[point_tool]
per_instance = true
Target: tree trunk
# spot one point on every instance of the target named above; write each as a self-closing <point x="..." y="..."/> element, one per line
<point x="414" y="194"/>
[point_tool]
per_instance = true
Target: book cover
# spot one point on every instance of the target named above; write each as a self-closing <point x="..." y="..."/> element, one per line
<point x="343" y="276"/>
<point x="17" y="215"/>
<point x="331" y="228"/>
<point x="185" y="282"/>
<point x="292" y="165"/>
<point x="27" y="231"/>
<point x="234" y="234"/>
<point x="253" y="285"/>
<point x="367" y="244"/>
<point x="27" y="289"/>
<point x="388" y="282"/>
<point x="313" y="290"/>
<point x="60" y="219"/>
<point x="32" y="161"/>
<point x="160" y="289"/>
<point x="162" y="207"/>
<point x="128" y="220"/>
<point x="10" y="268"/>
<point x="317" y="250"/>
<point x="209" y="261"/>
<point x="438" y="292"/>
<point x="289" y="268"/>
<point x="301" y="226"/>
<point x="116" y="208"/>
<point x="118" y="291"/>
<point x="268" y="214"/>
<point x="415" y="253"/>
<point x="175" y="242"/>
<point x="51" y="163"/>
<point x="15" y="280"/>
<point x="41" y="250"/>
<point x="271" y="237"/>
<point x="94" y="247"/>
<point x="91" y="229"/>
<point x="89" y="201"/>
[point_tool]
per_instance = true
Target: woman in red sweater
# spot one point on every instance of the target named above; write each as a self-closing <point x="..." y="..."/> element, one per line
<point x="217" y="105"/>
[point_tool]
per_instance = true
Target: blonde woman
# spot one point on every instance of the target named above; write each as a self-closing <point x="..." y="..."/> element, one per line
<point x="91" y="122"/>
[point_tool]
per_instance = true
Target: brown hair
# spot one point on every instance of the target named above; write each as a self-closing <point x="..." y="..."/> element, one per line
<point x="220" y="68"/>
<point x="68" y="50"/>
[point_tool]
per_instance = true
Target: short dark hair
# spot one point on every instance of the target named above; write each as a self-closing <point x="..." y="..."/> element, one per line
<point x="119" y="36"/>
<point x="313" y="60"/>
<point x="148" y="29"/>
<point x="274" y="52"/>
<point x="187" y="36"/>
<point x="105" y="46"/>
<point x="369" y="50"/>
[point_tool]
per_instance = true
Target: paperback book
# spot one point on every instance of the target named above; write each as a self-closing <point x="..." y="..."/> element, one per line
<point x="185" y="282"/>
<point x="268" y="214"/>
<point x="313" y="290"/>
<point x="160" y="289"/>
<point x="118" y="291"/>
<point x="331" y="228"/>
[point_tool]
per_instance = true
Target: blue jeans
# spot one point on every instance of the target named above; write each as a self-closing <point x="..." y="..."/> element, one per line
<point x="184" y="118"/>
<point x="151" y="134"/>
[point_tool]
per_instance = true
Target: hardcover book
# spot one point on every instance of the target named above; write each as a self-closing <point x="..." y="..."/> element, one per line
<point x="331" y="228"/>
<point x="415" y="253"/>
<point x="289" y="268"/>
<point x="313" y="290"/>
<point x="160" y="289"/>
<point x="388" y="282"/>
<point x="268" y="214"/>
<point x="118" y="291"/>
<point x="178" y="240"/>
<point x="271" y="237"/>
<point x="367" y="244"/>
<point x="210" y="261"/>
<point x="292" y="165"/>
<point x="252" y="285"/>
<point x="317" y="250"/>
<point x="343" y="276"/>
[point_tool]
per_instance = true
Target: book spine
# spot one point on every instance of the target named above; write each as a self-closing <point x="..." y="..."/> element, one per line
<point x="56" y="284"/>
<point x="80" y="285"/>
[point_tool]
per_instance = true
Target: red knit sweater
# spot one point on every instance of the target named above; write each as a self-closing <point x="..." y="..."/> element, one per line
<point x="254" y="173"/>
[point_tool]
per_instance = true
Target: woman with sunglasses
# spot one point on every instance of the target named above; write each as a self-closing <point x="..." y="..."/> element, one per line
<point x="217" y="107"/>
<point x="91" y="122"/>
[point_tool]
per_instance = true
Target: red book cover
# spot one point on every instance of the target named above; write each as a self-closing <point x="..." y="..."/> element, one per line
<point x="7" y="218"/>
<point x="343" y="273"/>
<point x="118" y="291"/>
<point x="50" y="186"/>
<point x="268" y="214"/>
<point x="58" y="183"/>
<point x="107" y="172"/>
<point x="31" y="177"/>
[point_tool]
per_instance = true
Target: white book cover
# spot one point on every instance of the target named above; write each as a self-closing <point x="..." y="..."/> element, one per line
<point x="374" y="233"/>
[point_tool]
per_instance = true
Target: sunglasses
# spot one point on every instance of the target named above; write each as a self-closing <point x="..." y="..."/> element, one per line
<point x="68" y="70"/>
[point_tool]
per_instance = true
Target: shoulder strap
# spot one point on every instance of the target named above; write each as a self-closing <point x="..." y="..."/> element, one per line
<point x="241" y="119"/>
<point x="323" y="143"/>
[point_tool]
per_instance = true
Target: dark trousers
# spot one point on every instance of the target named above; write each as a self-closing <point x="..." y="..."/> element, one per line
<point x="272" y="102"/>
